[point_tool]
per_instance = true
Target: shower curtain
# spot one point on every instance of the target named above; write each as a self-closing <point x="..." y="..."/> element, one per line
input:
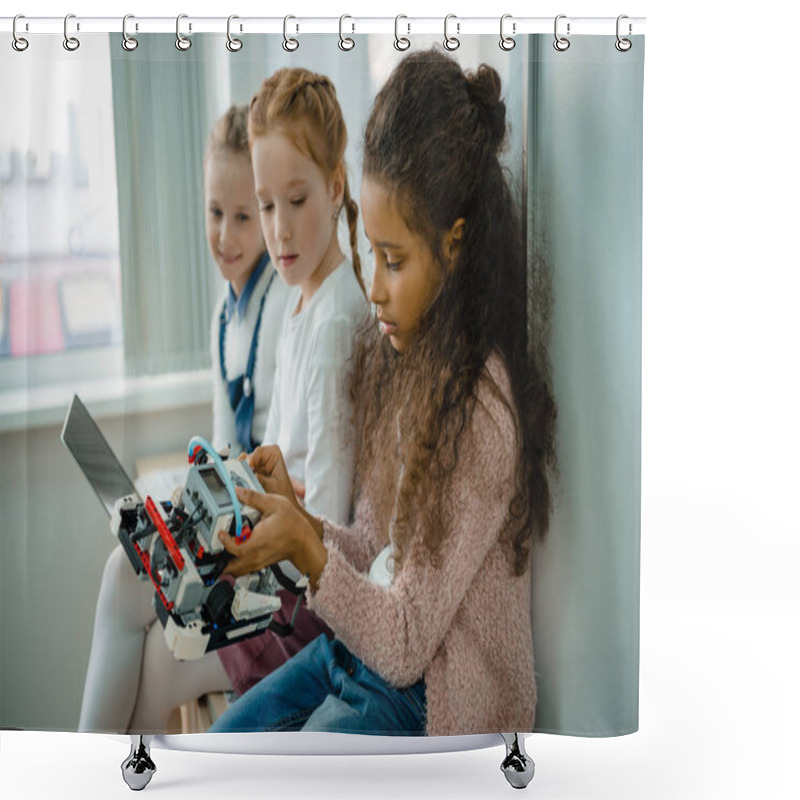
<point x="108" y="291"/>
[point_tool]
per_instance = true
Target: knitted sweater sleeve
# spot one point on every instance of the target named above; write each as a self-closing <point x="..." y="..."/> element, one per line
<point x="355" y="543"/>
<point x="397" y="630"/>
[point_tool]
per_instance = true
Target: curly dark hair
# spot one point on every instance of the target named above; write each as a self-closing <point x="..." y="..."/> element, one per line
<point x="433" y="141"/>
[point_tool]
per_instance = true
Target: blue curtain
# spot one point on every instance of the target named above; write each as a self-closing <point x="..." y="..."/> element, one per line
<point x="585" y="214"/>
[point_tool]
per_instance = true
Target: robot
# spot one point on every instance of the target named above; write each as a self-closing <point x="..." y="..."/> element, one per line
<point x="175" y="545"/>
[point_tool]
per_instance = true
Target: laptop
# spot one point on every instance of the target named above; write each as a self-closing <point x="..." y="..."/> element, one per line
<point x="95" y="456"/>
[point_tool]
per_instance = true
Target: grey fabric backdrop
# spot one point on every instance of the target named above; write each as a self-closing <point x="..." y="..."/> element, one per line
<point x="585" y="212"/>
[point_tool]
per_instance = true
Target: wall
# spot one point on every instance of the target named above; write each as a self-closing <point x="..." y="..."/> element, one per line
<point x="54" y="540"/>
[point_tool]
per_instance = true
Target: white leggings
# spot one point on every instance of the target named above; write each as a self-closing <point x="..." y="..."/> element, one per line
<point x="133" y="682"/>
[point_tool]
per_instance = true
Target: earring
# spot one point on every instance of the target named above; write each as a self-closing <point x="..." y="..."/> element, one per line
<point x="336" y="212"/>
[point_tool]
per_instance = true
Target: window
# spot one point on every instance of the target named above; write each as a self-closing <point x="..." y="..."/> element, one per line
<point x="104" y="271"/>
<point x="59" y="238"/>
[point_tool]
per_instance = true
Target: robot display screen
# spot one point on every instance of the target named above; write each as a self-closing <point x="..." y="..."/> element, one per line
<point x="219" y="493"/>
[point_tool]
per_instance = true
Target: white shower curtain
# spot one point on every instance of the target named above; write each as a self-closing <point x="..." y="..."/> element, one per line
<point x="575" y="153"/>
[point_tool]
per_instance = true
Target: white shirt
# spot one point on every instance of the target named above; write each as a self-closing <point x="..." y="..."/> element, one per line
<point x="381" y="570"/>
<point x="238" y="338"/>
<point x="310" y="414"/>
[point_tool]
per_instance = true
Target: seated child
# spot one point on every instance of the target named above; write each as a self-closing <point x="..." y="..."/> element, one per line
<point x="428" y="590"/>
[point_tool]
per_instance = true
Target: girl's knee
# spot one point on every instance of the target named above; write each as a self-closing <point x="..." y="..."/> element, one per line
<point x="114" y="561"/>
<point x="117" y="570"/>
<point x="122" y="595"/>
<point x="333" y="715"/>
<point x="113" y="577"/>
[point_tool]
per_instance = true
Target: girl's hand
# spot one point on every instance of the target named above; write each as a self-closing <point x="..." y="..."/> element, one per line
<point x="299" y="489"/>
<point x="283" y="532"/>
<point x="269" y="467"/>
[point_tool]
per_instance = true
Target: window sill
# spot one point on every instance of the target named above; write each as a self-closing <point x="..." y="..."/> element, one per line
<point x="24" y="409"/>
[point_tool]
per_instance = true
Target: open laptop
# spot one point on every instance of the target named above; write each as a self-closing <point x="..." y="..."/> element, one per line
<point x="95" y="456"/>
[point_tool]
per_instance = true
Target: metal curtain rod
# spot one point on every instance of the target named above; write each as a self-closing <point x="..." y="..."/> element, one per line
<point x="461" y="26"/>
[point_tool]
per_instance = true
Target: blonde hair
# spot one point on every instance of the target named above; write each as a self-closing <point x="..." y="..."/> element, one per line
<point x="303" y="105"/>
<point x="229" y="134"/>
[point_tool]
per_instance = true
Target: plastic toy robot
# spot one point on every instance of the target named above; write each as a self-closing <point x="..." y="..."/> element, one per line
<point x="175" y="545"/>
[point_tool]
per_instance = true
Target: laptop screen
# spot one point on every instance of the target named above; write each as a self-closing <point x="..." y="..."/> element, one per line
<point x="94" y="456"/>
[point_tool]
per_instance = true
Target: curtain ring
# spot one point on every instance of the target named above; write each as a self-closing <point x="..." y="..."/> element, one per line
<point x="181" y="42"/>
<point x="623" y="45"/>
<point x="289" y="44"/>
<point x="233" y="44"/>
<point x="561" y="43"/>
<point x="401" y="42"/>
<point x="451" y="42"/>
<point x="71" y="43"/>
<point x="345" y="42"/>
<point x="507" y="42"/>
<point x="128" y="42"/>
<point x="19" y="43"/>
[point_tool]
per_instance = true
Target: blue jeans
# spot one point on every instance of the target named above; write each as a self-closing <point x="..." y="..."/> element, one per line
<point x="326" y="688"/>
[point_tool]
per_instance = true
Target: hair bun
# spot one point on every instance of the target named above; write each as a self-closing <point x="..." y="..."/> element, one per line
<point x="484" y="88"/>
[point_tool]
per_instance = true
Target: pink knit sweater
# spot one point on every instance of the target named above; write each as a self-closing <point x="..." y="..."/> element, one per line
<point x="464" y="626"/>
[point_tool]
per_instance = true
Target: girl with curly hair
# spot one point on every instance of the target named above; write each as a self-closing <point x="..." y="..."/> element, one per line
<point x="428" y="590"/>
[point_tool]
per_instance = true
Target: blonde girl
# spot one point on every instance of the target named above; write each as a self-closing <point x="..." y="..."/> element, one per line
<point x="245" y="324"/>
